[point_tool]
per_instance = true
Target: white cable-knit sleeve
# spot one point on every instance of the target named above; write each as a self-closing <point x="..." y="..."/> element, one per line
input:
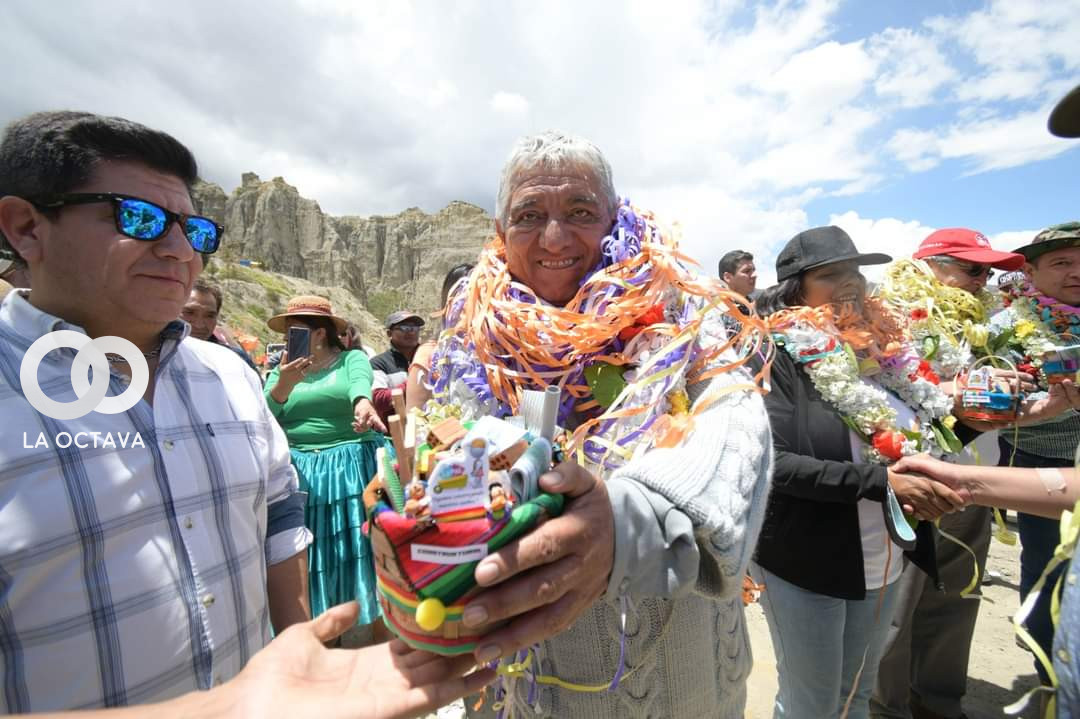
<point x="688" y="517"/>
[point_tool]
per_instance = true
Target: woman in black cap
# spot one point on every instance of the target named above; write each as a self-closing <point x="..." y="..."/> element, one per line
<point x="847" y="399"/>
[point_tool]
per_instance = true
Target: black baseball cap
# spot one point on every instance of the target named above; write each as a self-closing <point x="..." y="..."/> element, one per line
<point x="821" y="246"/>
<point x="396" y="318"/>
<point x="1065" y="117"/>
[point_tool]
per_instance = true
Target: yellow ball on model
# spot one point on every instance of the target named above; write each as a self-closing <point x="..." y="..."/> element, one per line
<point x="430" y="614"/>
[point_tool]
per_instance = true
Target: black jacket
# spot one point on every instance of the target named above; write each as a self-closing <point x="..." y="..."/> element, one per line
<point x="811" y="534"/>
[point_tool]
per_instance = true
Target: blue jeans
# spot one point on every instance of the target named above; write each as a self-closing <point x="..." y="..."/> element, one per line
<point x="820" y="644"/>
<point x="1039" y="538"/>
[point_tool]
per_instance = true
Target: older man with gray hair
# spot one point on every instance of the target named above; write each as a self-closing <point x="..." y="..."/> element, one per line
<point x="632" y="595"/>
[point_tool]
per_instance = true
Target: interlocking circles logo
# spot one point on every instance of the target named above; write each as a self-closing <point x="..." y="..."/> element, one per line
<point x="90" y="357"/>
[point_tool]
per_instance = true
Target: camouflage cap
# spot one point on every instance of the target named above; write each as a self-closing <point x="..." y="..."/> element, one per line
<point x="1067" y="234"/>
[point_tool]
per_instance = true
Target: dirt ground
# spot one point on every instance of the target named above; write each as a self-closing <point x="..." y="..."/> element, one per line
<point x="999" y="671"/>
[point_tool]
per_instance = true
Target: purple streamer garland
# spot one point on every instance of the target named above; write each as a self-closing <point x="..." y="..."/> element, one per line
<point x="455" y="358"/>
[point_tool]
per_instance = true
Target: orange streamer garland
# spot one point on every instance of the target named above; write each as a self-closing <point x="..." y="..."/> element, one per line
<point x="878" y="331"/>
<point x="512" y="338"/>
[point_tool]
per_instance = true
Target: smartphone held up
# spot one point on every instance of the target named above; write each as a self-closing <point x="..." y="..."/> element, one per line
<point x="299" y="343"/>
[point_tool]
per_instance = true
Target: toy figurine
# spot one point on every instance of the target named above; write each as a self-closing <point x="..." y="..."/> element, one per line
<point x="418" y="503"/>
<point x="497" y="501"/>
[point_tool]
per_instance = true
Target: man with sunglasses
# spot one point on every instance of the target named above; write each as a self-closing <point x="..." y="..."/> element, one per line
<point x="923" y="670"/>
<point x="145" y="554"/>
<point x="963" y="258"/>
<point x="390" y="369"/>
<point x="100" y="210"/>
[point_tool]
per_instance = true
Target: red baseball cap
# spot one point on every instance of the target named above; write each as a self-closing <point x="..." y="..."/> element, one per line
<point x="964" y="244"/>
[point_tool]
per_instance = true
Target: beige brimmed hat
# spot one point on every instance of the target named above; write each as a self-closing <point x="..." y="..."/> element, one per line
<point x="307" y="306"/>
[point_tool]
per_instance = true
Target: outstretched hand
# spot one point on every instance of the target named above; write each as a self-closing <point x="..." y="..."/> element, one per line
<point x="551" y="576"/>
<point x="365" y="417"/>
<point x="1060" y="398"/>
<point x="297" y="676"/>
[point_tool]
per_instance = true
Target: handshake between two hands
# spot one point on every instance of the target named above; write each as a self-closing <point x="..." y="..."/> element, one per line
<point x="928" y="488"/>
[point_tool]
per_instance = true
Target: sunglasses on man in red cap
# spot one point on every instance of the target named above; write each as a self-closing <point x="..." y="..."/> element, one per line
<point x="970" y="247"/>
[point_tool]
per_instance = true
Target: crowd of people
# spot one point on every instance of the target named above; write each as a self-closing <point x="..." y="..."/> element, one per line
<point x="815" y="438"/>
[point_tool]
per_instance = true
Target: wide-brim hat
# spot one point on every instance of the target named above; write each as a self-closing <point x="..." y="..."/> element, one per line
<point x="821" y="246"/>
<point x="307" y="306"/>
<point x="1065" y="117"/>
<point x="968" y="245"/>
<point x="1052" y="238"/>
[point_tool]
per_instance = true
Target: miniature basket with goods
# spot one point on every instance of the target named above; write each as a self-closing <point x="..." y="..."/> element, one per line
<point x="986" y="394"/>
<point x="435" y="510"/>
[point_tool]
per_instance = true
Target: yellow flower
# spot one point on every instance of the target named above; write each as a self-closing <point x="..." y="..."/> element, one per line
<point x="1023" y="328"/>
<point x="680" y="402"/>
<point x="949" y="421"/>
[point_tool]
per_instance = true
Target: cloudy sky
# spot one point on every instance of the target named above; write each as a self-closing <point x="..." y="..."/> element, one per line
<point x="748" y="123"/>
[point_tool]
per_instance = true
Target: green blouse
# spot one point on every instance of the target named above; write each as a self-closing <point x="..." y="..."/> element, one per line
<point x="319" y="411"/>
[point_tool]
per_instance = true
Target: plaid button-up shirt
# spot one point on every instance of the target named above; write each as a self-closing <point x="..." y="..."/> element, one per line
<point x="133" y="567"/>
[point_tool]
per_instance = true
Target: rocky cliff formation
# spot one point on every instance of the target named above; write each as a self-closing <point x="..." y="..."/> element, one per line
<point x="387" y="262"/>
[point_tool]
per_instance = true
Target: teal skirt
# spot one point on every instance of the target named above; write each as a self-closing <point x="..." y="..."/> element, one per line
<point x="340" y="564"/>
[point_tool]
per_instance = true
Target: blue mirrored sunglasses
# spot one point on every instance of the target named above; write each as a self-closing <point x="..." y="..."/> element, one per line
<point x="143" y="220"/>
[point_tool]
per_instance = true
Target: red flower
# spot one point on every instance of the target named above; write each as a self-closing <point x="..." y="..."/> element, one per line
<point x="653" y="315"/>
<point x="889" y="444"/>
<point x="1030" y="368"/>
<point x="919" y="313"/>
<point x="925" y="372"/>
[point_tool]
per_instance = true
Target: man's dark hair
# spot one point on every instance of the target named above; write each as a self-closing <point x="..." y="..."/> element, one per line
<point x="456" y="273"/>
<point x="50" y="153"/>
<point x="214" y="291"/>
<point x="731" y="261"/>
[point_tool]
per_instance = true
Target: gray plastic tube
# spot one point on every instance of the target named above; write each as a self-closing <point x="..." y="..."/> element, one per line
<point x="551" y="413"/>
<point x="525" y="474"/>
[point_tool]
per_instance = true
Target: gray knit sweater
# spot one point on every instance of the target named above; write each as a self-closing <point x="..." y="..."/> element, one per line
<point x="686" y="522"/>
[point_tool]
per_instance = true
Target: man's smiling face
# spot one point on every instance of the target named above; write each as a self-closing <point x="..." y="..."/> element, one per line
<point x="556" y="221"/>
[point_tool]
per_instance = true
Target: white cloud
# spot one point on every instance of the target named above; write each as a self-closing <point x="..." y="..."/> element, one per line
<point x="983" y="145"/>
<point x="894" y="237"/>
<point x="1016" y="45"/>
<point x="913" y="66"/>
<point x="1010" y="240"/>
<point x="1008" y="62"/>
<point x="509" y="102"/>
<point x="731" y="119"/>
